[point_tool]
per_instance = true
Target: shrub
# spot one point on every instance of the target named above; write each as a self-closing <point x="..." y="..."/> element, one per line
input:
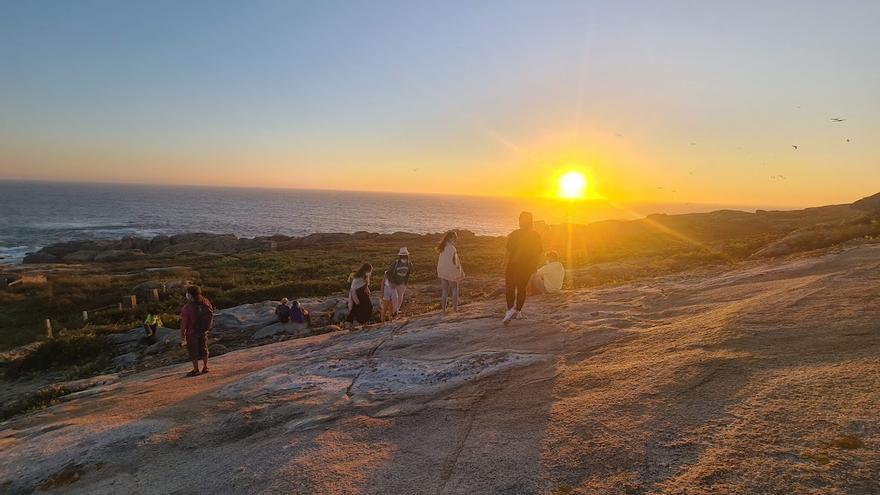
<point x="65" y="350"/>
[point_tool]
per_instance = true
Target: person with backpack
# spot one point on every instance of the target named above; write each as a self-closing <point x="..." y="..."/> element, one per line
<point x="196" y="320"/>
<point x="449" y="270"/>
<point x="523" y="250"/>
<point x="398" y="276"/>
<point x="283" y="311"/>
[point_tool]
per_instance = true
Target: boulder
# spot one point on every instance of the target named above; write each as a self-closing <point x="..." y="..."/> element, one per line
<point x="158" y="243"/>
<point x="81" y="255"/>
<point x="133" y="335"/>
<point x="118" y="255"/>
<point x="217" y="349"/>
<point x="243" y="320"/>
<point x="202" y="243"/>
<point x="40" y="257"/>
<point x="125" y="361"/>
<point x="279" y="328"/>
<point x="131" y="243"/>
<point x="166" y="338"/>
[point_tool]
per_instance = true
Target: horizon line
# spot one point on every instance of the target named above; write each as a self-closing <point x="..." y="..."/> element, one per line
<point x="721" y="206"/>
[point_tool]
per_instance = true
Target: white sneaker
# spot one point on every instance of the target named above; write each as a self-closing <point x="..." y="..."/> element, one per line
<point x="508" y="316"/>
<point x="519" y="316"/>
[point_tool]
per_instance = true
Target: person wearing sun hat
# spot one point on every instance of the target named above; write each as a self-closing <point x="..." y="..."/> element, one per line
<point x="397" y="276"/>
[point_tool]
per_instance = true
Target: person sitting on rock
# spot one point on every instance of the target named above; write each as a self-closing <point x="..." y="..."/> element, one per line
<point x="398" y="276"/>
<point x="548" y="279"/>
<point x="299" y="314"/>
<point x="151" y="324"/>
<point x="283" y="311"/>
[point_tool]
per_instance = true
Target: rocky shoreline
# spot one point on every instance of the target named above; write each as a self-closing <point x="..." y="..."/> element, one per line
<point x="131" y="248"/>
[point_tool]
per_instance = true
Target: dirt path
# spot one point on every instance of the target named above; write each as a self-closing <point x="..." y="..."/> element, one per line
<point x="762" y="379"/>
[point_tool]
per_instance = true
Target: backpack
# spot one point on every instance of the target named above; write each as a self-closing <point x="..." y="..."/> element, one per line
<point x="398" y="272"/>
<point x="204" y="318"/>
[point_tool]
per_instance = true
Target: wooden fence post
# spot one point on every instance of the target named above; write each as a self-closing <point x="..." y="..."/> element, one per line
<point x="85" y="316"/>
<point x="119" y="307"/>
<point x="155" y="295"/>
<point x="48" y="328"/>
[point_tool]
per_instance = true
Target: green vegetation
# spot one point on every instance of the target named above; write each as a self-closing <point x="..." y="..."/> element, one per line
<point x="74" y="349"/>
<point x="43" y="397"/>
<point x="653" y="246"/>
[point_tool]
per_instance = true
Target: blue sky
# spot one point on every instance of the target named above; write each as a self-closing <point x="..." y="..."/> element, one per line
<point x="467" y="97"/>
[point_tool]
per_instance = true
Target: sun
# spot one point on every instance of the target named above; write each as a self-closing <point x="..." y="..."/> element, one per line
<point x="571" y="185"/>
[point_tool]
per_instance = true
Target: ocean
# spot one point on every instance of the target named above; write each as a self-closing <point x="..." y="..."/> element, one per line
<point x="35" y="214"/>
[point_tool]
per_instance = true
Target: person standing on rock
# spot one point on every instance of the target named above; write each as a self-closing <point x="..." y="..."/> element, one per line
<point x="449" y="270"/>
<point x="196" y="320"/>
<point x="523" y="250"/>
<point x="398" y="276"/>
<point x="360" y="307"/>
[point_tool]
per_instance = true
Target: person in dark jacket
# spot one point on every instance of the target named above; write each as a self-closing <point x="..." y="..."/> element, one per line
<point x="283" y="311"/>
<point x="397" y="277"/>
<point x="523" y="250"/>
<point x="196" y="319"/>
<point x="359" y="304"/>
<point x="299" y="314"/>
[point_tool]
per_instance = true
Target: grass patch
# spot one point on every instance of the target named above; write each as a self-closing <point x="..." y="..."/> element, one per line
<point x="848" y="442"/>
<point x="78" y="349"/>
<point x="40" y="399"/>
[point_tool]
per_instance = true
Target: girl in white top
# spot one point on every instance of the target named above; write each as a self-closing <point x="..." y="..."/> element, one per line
<point x="449" y="270"/>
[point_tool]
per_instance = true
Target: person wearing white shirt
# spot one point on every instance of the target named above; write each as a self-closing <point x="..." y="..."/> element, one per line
<point x="549" y="278"/>
<point x="449" y="270"/>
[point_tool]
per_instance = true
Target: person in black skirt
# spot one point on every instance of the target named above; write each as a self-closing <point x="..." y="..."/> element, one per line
<point x="359" y="304"/>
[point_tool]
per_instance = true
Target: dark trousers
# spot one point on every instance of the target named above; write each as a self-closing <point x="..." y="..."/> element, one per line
<point x="151" y="330"/>
<point x="516" y="285"/>
<point x="197" y="345"/>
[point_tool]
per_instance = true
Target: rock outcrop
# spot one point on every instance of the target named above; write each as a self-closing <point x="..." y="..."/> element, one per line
<point x="761" y="378"/>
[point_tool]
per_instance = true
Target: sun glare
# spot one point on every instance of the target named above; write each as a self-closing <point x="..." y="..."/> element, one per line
<point x="572" y="185"/>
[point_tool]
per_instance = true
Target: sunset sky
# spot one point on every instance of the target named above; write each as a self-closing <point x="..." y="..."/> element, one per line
<point x="660" y="101"/>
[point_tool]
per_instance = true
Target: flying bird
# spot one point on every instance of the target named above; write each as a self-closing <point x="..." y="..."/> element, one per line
<point x="794" y="146"/>
<point x="837" y="119"/>
<point x="847" y="140"/>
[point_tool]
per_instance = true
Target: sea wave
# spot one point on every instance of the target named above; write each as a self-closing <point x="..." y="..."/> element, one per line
<point x="14" y="254"/>
<point x="72" y="226"/>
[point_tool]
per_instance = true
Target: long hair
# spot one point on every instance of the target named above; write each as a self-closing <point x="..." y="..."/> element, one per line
<point x="196" y="292"/>
<point x="450" y="236"/>
<point x="362" y="271"/>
